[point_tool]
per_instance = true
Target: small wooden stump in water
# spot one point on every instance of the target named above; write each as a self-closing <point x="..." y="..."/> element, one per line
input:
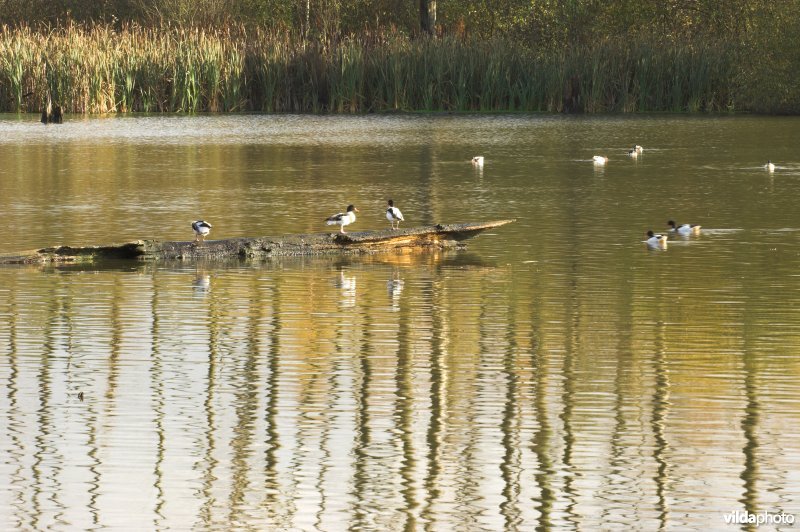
<point x="52" y="116"/>
<point x="429" y="237"/>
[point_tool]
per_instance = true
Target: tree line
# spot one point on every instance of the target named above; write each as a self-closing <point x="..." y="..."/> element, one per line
<point x="529" y="22"/>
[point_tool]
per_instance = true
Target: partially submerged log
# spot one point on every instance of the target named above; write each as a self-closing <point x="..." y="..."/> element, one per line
<point x="52" y="114"/>
<point x="434" y="236"/>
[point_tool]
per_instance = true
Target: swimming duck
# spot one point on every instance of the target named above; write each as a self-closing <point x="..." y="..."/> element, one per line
<point x="393" y="214"/>
<point x="684" y="229"/>
<point x="769" y="166"/>
<point x="343" y="218"/>
<point x="201" y="229"/>
<point x="477" y="160"/>
<point x="600" y="159"/>
<point x="656" y="240"/>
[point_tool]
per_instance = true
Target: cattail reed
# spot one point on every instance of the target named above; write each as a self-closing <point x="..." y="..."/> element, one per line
<point x="98" y="69"/>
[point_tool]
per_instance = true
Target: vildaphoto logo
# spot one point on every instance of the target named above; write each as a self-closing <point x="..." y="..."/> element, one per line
<point x="760" y="518"/>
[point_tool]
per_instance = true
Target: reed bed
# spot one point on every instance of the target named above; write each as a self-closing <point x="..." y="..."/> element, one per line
<point x="102" y="70"/>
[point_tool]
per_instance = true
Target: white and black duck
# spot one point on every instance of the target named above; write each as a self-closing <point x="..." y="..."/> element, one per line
<point x="683" y="229"/>
<point x="343" y="218"/>
<point x="201" y="229"/>
<point x="393" y="214"/>
<point x="656" y="240"/>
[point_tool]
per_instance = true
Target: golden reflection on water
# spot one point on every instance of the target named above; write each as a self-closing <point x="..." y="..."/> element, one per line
<point x="556" y="375"/>
<point x="308" y="395"/>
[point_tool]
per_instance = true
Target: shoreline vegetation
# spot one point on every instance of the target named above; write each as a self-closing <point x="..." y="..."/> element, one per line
<point x="100" y="68"/>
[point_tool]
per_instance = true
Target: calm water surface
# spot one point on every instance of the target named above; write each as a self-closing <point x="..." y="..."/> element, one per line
<point x="558" y="375"/>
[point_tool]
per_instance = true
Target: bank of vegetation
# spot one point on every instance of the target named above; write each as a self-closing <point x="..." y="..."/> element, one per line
<point x="168" y="60"/>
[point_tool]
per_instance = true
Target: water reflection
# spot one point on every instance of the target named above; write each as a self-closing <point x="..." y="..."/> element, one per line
<point x="659" y="423"/>
<point x="201" y="283"/>
<point x="555" y="376"/>
<point x="394" y="287"/>
<point x="455" y="403"/>
<point x="347" y="287"/>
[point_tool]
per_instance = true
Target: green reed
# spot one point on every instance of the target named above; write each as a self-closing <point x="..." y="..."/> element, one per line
<point x="102" y="70"/>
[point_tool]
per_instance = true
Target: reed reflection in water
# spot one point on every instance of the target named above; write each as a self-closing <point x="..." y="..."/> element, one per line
<point x="307" y="395"/>
<point x="559" y="375"/>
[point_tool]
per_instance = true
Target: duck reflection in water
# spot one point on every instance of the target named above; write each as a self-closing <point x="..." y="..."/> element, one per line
<point x="347" y="285"/>
<point x="201" y="283"/>
<point x="394" y="287"/>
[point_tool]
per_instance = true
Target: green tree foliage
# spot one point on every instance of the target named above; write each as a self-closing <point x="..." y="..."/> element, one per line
<point x="532" y="22"/>
<point x="770" y="58"/>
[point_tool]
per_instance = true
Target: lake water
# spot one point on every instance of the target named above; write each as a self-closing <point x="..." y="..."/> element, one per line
<point x="557" y="375"/>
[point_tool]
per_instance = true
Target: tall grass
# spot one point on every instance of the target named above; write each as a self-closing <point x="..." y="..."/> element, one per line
<point x="101" y="70"/>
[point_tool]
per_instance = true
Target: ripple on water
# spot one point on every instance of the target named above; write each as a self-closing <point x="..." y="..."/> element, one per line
<point x="556" y="375"/>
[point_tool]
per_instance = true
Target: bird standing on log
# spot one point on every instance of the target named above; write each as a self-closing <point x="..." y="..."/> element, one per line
<point x="201" y="229"/>
<point x="343" y="218"/>
<point x="393" y="214"/>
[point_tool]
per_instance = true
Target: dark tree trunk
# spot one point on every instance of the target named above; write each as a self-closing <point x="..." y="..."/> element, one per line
<point x="427" y="16"/>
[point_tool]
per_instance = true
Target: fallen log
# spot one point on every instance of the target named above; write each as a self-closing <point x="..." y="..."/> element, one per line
<point x="434" y="236"/>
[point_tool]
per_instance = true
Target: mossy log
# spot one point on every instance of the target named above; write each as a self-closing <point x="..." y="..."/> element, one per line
<point x="434" y="236"/>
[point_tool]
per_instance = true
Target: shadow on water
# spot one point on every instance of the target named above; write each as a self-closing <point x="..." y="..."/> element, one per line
<point x="512" y="421"/>
<point x="750" y="427"/>
<point x="404" y="418"/>
<point x="658" y="423"/>
<point x="750" y="423"/>
<point x="437" y="417"/>
<point x="160" y="400"/>
<point x="446" y="259"/>
<point x="365" y="466"/>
